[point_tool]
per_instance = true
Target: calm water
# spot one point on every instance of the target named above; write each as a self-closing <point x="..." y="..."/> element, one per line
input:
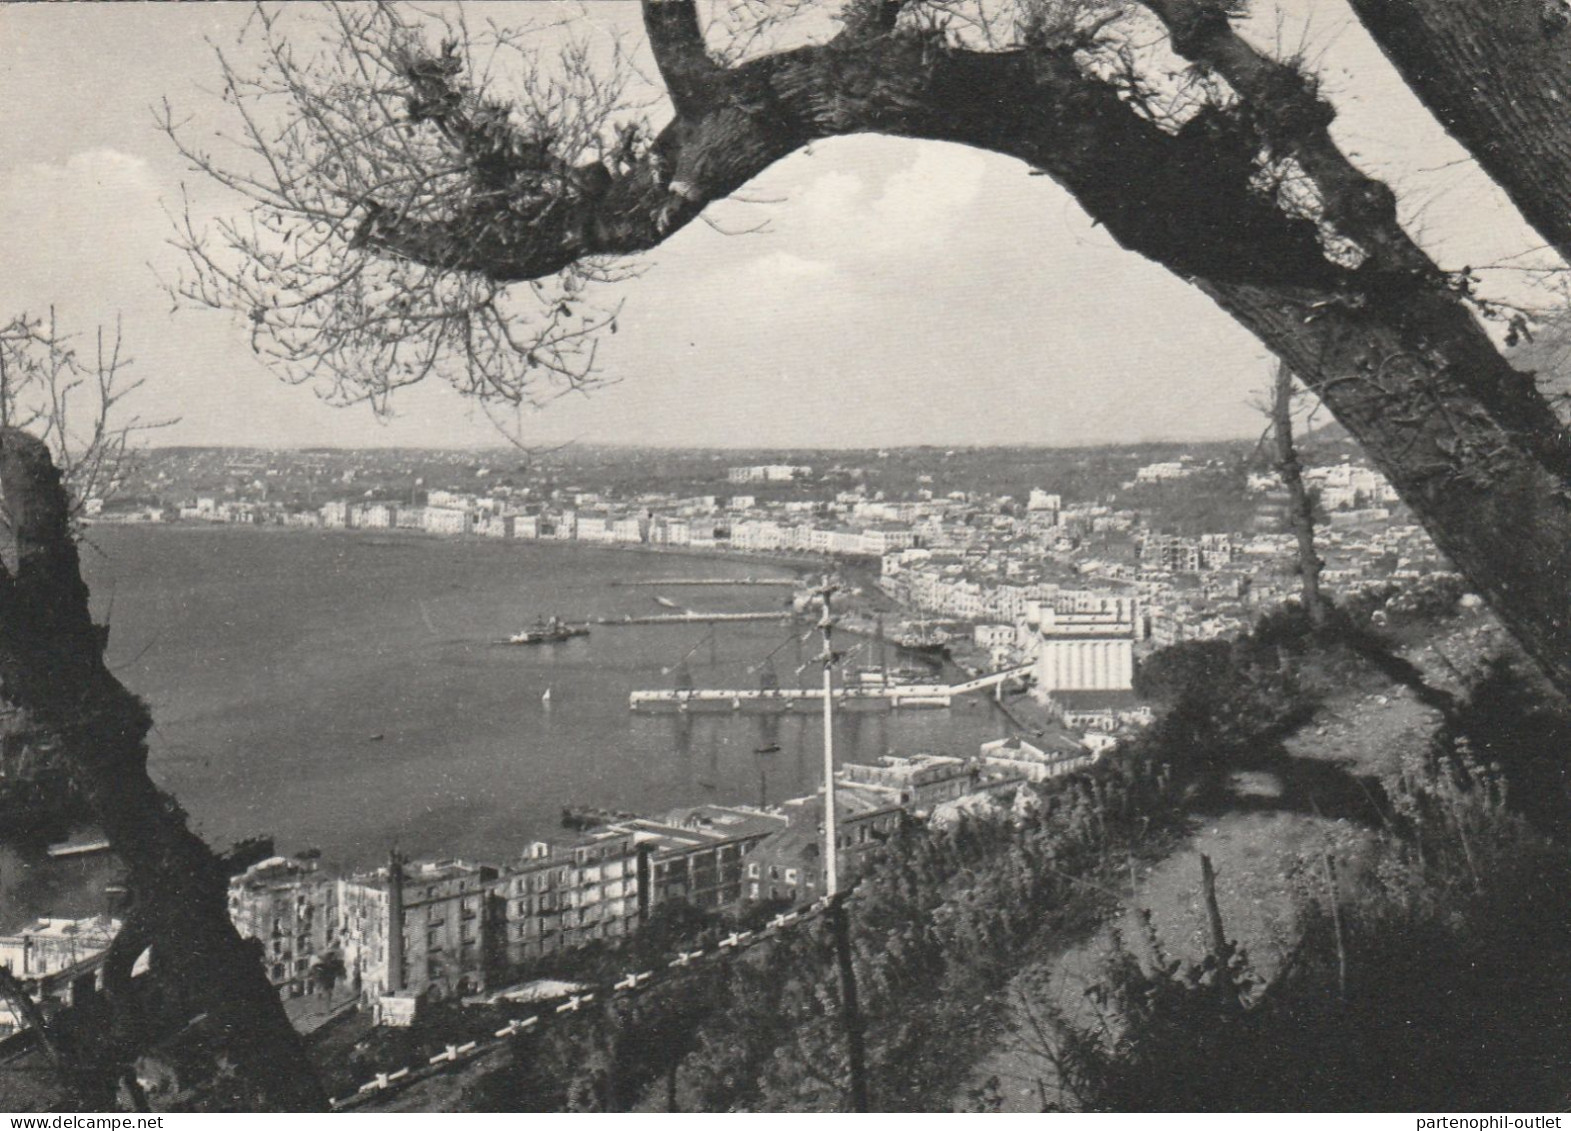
<point x="271" y="658"/>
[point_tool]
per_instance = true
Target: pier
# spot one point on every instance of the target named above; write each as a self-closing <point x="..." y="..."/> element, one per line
<point x="696" y="618"/>
<point x="646" y="583"/>
<point x="895" y="695"/>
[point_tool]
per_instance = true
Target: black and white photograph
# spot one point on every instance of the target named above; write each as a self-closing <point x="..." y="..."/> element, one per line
<point x="785" y="556"/>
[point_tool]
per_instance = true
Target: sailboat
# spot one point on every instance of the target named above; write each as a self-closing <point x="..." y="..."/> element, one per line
<point x="545" y="697"/>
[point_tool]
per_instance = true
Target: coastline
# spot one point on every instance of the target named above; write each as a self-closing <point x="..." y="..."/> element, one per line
<point x="799" y="564"/>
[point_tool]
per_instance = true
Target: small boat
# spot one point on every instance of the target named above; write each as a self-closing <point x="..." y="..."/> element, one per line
<point x="667" y="603"/>
<point x="583" y="817"/>
<point x="375" y="737"/>
<point x="881" y="677"/>
<point x="772" y="748"/>
<point x="553" y="631"/>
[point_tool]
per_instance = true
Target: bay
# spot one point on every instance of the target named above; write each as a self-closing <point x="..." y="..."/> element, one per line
<point x="343" y="691"/>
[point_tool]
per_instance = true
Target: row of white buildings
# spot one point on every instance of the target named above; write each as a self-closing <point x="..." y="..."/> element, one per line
<point x="705" y="531"/>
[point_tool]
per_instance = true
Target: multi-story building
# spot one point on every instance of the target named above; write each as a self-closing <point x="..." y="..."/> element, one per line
<point x="695" y="855"/>
<point x="789" y="865"/>
<point x="630" y="529"/>
<point x="428" y="929"/>
<point x="768" y="473"/>
<point x="1057" y="755"/>
<point x="1104" y="711"/>
<point x="449" y="520"/>
<point x="920" y="782"/>
<point x="48" y="946"/>
<point x="59" y="957"/>
<point x="289" y="908"/>
<point x="594" y="526"/>
<point x="887" y="538"/>
<point x="1086" y="651"/>
<point x="377" y="516"/>
<point x="561" y="896"/>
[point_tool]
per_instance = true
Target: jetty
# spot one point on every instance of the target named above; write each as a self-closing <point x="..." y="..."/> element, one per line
<point x="784" y="698"/>
<point x="696" y="618"/>
<point x="651" y="583"/>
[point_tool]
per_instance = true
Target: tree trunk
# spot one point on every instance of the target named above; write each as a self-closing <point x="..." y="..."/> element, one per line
<point x="51" y="665"/>
<point x="1497" y="74"/>
<point x="1300" y="507"/>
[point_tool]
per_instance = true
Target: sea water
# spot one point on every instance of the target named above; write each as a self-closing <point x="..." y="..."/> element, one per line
<point x="344" y="691"/>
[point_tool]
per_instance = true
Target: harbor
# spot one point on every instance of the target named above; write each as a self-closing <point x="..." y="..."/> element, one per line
<point x="697" y="618"/>
<point x="893" y="695"/>
<point x="780" y="582"/>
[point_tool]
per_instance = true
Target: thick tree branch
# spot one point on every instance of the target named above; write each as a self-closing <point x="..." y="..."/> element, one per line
<point x="1497" y="74"/>
<point x="1294" y="121"/>
<point x="1035" y="104"/>
<point x="1338" y="290"/>
<point x="677" y="40"/>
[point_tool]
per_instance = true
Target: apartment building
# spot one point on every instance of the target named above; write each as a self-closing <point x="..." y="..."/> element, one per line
<point x="564" y="895"/>
<point x="291" y="909"/>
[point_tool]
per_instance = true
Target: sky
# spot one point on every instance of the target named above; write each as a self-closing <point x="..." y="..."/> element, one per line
<point x="901" y="293"/>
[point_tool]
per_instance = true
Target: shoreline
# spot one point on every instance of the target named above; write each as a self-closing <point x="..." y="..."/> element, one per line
<point x="799" y="564"/>
<point x="803" y="566"/>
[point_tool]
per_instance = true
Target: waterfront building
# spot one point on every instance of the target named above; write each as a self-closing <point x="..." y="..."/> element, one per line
<point x="60" y="958"/>
<point x="631" y="529"/>
<point x="561" y="896"/>
<point x="376" y="516"/>
<point x="48" y="946"/>
<point x="1057" y="755"/>
<point x="289" y="908"/>
<point x="491" y="522"/>
<point x="1106" y="710"/>
<point x="919" y="782"/>
<point x="423" y="930"/>
<point x="788" y="864"/>
<point x="757" y="534"/>
<point x="675" y="532"/>
<point x="1086" y="650"/>
<point x="594" y="526"/>
<point x="449" y="520"/>
<point x="526" y="526"/>
<point x="887" y="538"/>
<point x="694" y="855"/>
<point x="336" y="513"/>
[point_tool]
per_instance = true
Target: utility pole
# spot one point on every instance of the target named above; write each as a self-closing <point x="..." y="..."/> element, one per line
<point x="839" y="923"/>
<point x="826" y="626"/>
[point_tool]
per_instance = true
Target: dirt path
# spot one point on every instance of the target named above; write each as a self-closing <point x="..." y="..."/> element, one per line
<point x="1260" y="856"/>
